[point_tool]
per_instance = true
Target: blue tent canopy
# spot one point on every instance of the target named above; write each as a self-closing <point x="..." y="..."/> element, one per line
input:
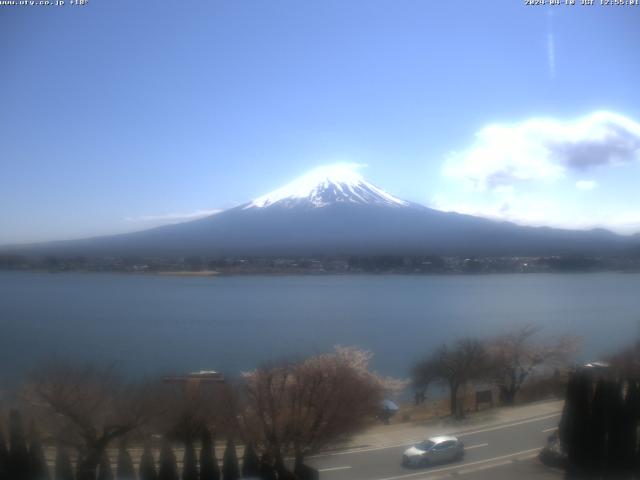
<point x="390" y="406"/>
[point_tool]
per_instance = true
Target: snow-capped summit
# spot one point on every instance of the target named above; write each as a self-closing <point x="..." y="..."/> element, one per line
<point x="326" y="185"/>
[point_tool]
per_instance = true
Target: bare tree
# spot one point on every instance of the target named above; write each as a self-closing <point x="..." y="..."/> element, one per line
<point x="423" y="374"/>
<point x="89" y="407"/>
<point x="186" y="412"/>
<point x="457" y="365"/>
<point x="514" y="357"/>
<point x="189" y="411"/>
<point x="302" y="407"/>
<point x="627" y="361"/>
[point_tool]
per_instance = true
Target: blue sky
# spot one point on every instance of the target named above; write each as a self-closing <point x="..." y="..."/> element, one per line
<point x="122" y="115"/>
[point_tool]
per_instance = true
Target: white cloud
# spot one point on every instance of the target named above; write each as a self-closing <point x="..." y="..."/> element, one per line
<point x="173" y="217"/>
<point x="544" y="150"/>
<point x="539" y="212"/>
<point x="586" y="184"/>
<point x="518" y="210"/>
<point x="624" y="222"/>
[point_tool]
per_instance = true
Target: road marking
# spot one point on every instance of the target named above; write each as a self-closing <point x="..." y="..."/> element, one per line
<point x="331" y="469"/>
<point x="479" y="445"/>
<point x="483" y="467"/>
<point x="549" y="429"/>
<point x="526" y="457"/>
<point x="498" y="427"/>
<point x="468" y="464"/>
<point x="495" y="465"/>
<point x="410" y="443"/>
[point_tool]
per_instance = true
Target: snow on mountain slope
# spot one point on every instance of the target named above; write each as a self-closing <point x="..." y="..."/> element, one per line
<point x="325" y="186"/>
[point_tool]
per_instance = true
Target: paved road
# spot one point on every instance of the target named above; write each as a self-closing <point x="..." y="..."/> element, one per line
<point x="499" y="451"/>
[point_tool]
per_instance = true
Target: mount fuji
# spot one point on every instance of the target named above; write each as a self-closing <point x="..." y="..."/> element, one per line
<point x="325" y="186"/>
<point x="335" y="211"/>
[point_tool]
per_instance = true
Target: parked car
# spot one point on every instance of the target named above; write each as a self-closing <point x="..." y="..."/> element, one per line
<point x="444" y="448"/>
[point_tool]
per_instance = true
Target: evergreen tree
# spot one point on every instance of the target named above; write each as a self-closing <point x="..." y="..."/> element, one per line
<point x="630" y="426"/>
<point x="189" y="462"/>
<point x="4" y="456"/>
<point x="80" y="461"/>
<point x="126" y="470"/>
<point x="250" y="462"/>
<point x="305" y="472"/>
<point x="105" y="471"/>
<point x="18" y="461"/>
<point x="267" y="472"/>
<point x="574" y="425"/>
<point x="616" y="457"/>
<point x="168" y="468"/>
<point x="209" y="469"/>
<point x="230" y="468"/>
<point x="63" y="470"/>
<point x="38" y="469"/>
<point x="281" y="470"/>
<point x="600" y="420"/>
<point x="148" y="465"/>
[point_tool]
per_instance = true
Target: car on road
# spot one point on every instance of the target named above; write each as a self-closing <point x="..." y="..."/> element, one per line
<point x="444" y="448"/>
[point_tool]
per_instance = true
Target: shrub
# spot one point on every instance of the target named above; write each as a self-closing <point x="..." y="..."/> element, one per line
<point x="104" y="468"/>
<point x="4" y="456"/>
<point x="38" y="469"/>
<point x="209" y="469"/>
<point x="230" y="468"/>
<point x="250" y="462"/>
<point x="168" y="468"/>
<point x="63" y="470"/>
<point x="18" y="461"/>
<point x="126" y="470"/>
<point x="189" y="462"/>
<point x="148" y="465"/>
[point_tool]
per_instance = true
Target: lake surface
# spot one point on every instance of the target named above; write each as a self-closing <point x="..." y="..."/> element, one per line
<point x="156" y="324"/>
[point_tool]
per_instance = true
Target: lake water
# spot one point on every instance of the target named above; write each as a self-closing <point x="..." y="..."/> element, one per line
<point x="156" y="324"/>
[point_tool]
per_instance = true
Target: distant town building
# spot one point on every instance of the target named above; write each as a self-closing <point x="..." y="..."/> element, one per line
<point x="195" y="380"/>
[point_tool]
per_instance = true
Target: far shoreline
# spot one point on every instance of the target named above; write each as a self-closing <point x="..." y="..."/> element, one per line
<point x="183" y="273"/>
<point x="222" y="274"/>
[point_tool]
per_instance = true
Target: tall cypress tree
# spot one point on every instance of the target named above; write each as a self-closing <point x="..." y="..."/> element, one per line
<point x="63" y="470"/>
<point x="148" y="465"/>
<point x="630" y="426"/>
<point x="250" y="462"/>
<point x="574" y="425"/>
<point x="616" y="457"/>
<point x="168" y="468"/>
<point x="4" y="456"/>
<point x="126" y="470"/>
<point x="105" y="472"/>
<point x="189" y="462"/>
<point x="18" y="461"/>
<point x="636" y="459"/>
<point x="230" y="467"/>
<point x="38" y="469"/>
<point x="281" y="470"/>
<point x="209" y="469"/>
<point x="600" y="419"/>
<point x="80" y="459"/>
<point x="267" y="472"/>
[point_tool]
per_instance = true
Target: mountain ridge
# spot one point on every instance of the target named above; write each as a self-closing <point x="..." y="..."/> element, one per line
<point x="335" y="211"/>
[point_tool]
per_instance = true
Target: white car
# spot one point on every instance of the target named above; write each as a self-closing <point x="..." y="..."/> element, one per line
<point x="444" y="448"/>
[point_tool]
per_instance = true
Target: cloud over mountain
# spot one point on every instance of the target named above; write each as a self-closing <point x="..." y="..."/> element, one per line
<point x="173" y="217"/>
